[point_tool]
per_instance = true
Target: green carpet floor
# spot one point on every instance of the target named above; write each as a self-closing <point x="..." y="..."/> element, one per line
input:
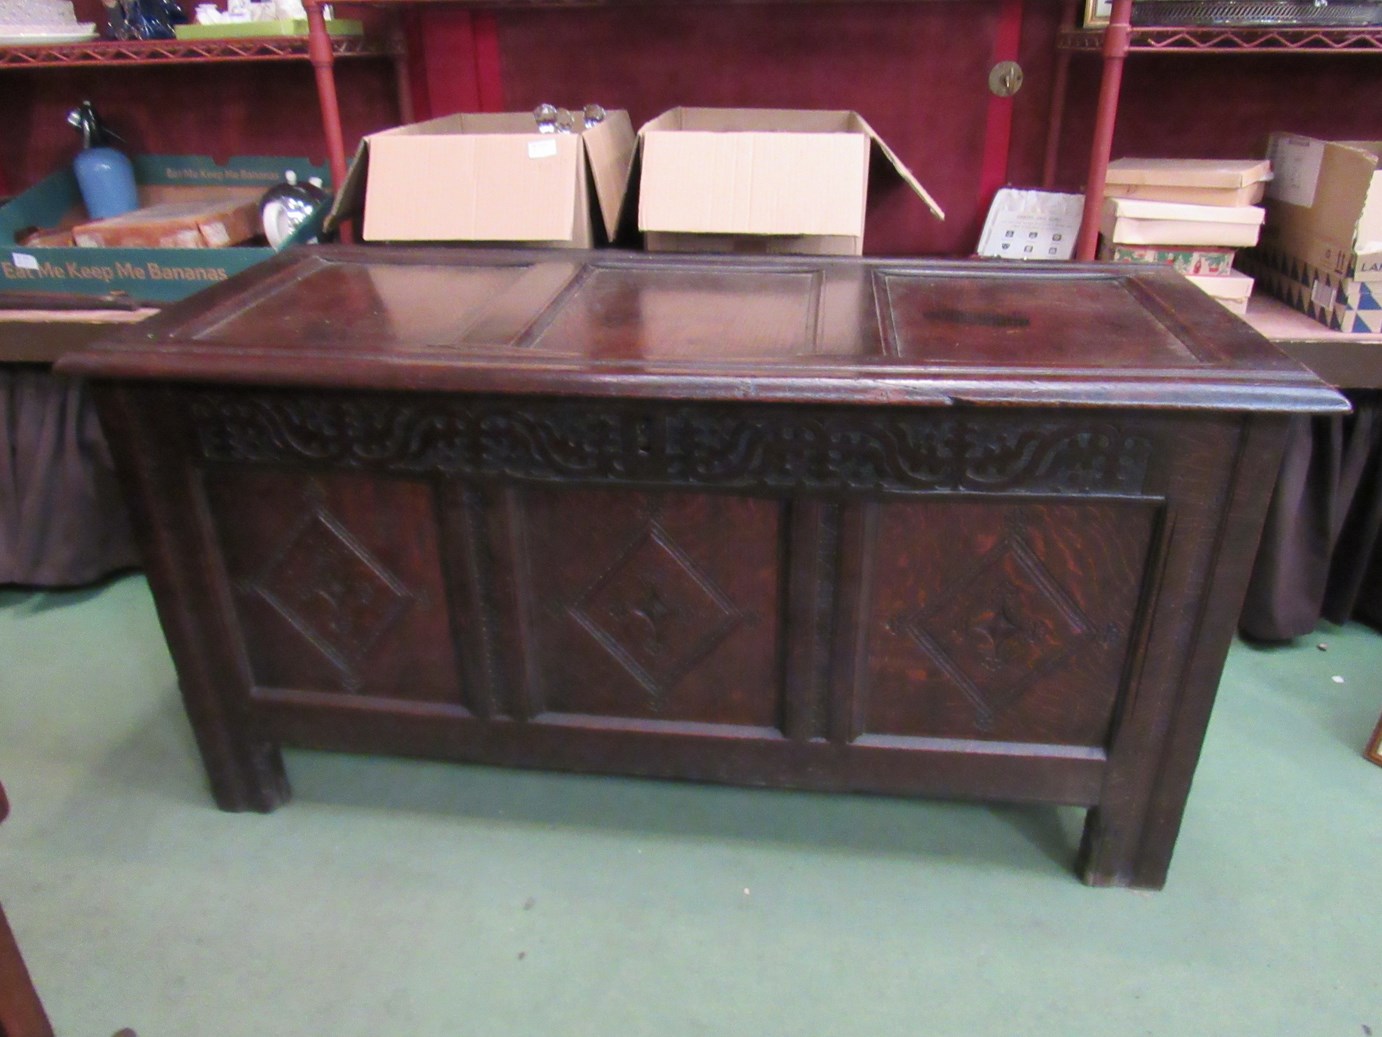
<point x="430" y="900"/>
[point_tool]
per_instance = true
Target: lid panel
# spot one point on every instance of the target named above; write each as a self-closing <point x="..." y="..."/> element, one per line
<point x="687" y="314"/>
<point x="345" y="304"/>
<point x="1057" y="321"/>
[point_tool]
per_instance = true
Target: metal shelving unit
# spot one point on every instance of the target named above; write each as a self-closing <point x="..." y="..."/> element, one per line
<point x="1349" y="361"/>
<point x="1121" y="39"/>
<point x="183" y="52"/>
<point x="318" y="47"/>
<point x="1201" y="40"/>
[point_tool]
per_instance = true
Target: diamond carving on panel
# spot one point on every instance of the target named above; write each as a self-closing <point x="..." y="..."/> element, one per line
<point x="332" y="590"/>
<point x="656" y="612"/>
<point x="999" y="628"/>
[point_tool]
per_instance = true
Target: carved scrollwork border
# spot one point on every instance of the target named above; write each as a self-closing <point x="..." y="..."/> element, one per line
<point x="775" y="448"/>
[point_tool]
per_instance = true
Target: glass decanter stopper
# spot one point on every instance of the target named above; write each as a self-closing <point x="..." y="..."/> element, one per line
<point x="546" y="117"/>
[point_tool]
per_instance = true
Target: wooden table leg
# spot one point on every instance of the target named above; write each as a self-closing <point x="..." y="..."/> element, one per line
<point x="21" y="1012"/>
<point x="1130" y="835"/>
<point x="246" y="773"/>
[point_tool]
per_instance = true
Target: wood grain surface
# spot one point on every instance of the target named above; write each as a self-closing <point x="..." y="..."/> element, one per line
<point x="946" y="529"/>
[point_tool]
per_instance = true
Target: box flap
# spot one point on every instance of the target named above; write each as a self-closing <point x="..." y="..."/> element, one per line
<point x="51" y="202"/>
<point x="1326" y="189"/>
<point x="491" y="122"/>
<point x="1141" y="209"/>
<point x="609" y="148"/>
<point x="453" y="123"/>
<point x="1189" y="172"/>
<point x="351" y="197"/>
<point x="908" y="177"/>
<point x="1368" y="236"/>
<point x="755" y="245"/>
<point x="754" y="120"/>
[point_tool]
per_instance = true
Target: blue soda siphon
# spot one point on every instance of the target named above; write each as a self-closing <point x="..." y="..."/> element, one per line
<point x="104" y="175"/>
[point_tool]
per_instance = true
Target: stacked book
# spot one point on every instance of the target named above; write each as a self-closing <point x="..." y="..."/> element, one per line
<point x="1192" y="214"/>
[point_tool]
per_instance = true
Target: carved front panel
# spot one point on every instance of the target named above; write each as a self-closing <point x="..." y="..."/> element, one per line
<point x="643" y="605"/>
<point x="997" y="621"/>
<point x="336" y="581"/>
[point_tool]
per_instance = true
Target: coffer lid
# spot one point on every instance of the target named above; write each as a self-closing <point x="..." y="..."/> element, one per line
<point x="747" y="329"/>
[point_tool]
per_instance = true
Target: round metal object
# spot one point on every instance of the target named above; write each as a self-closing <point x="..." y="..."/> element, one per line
<point x="1005" y="78"/>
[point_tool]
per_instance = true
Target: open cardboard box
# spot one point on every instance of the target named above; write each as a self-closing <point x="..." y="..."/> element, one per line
<point x="490" y="178"/>
<point x="146" y="274"/>
<point x="1339" y="301"/>
<point x="1321" y="248"/>
<point x="1324" y="206"/>
<point x="759" y="180"/>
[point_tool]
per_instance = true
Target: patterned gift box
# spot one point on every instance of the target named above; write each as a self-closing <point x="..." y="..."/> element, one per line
<point x="1203" y="261"/>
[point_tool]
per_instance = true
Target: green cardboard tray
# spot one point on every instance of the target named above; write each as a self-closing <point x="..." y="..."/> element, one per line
<point x="156" y="275"/>
<point x="286" y="27"/>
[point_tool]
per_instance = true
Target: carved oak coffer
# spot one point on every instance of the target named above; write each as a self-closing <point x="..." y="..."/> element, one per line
<point x="893" y="526"/>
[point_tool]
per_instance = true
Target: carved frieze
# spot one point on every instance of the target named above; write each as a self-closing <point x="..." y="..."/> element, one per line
<point x="748" y="448"/>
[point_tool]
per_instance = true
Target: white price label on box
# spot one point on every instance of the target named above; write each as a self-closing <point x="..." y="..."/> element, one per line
<point x="1323" y="294"/>
<point x="24" y="261"/>
<point x="542" y="148"/>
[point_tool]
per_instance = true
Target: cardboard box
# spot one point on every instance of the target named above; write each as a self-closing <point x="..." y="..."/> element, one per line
<point x="147" y="274"/>
<point x="213" y="223"/>
<point x="1325" y="205"/>
<point x="47" y="239"/>
<point x="1342" y="302"/>
<point x="1130" y="221"/>
<point x="1232" y="290"/>
<point x="759" y="180"/>
<point x="491" y="178"/>
<point x="1197" y="181"/>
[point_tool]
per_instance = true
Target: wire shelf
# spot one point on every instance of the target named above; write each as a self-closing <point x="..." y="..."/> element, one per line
<point x="1241" y="40"/>
<point x="183" y="52"/>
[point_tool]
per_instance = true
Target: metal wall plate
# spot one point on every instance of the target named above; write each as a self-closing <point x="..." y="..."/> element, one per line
<point x="1005" y="78"/>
